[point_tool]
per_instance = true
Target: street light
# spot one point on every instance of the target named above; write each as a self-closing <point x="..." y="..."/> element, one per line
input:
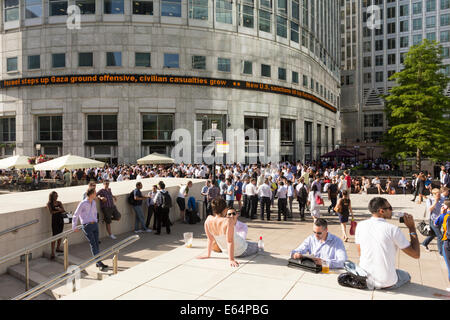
<point x="214" y="127"/>
<point x="38" y="148"/>
<point x="356" y="153"/>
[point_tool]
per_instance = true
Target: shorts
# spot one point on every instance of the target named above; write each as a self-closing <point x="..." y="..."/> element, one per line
<point x="238" y="196"/>
<point x="110" y="214"/>
<point x="181" y="203"/>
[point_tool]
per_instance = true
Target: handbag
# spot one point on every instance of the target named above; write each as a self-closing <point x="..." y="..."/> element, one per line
<point x="67" y="217"/>
<point x="353" y="227"/>
<point x="425" y="229"/>
<point x="355" y="277"/>
<point x="304" y="263"/>
<point x="319" y="200"/>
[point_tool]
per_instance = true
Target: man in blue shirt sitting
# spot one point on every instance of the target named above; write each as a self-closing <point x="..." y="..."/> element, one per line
<point x="323" y="246"/>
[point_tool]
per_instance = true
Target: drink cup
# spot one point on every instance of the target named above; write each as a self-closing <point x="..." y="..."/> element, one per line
<point x="325" y="266"/>
<point x="188" y="237"/>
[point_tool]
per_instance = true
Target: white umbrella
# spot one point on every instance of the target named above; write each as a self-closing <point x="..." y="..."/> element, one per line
<point x="69" y="162"/>
<point x="155" y="158"/>
<point x="18" y="162"/>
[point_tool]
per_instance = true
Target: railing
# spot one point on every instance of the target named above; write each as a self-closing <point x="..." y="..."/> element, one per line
<point x="70" y="275"/>
<point x="27" y="251"/>
<point x="26" y="224"/>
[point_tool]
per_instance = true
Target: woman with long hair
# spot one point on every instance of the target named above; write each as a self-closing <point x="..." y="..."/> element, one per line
<point x="343" y="209"/>
<point x="421" y="186"/>
<point x="56" y="210"/>
<point x="314" y="206"/>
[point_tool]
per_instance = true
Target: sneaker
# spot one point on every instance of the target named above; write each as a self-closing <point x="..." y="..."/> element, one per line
<point x="113" y="237"/>
<point x="138" y="231"/>
<point x="425" y="247"/>
<point x="148" y="230"/>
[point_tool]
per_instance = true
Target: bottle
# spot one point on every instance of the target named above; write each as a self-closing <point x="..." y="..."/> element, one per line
<point x="260" y="244"/>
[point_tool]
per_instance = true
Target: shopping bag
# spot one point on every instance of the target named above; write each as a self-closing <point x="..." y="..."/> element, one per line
<point x="352" y="227"/>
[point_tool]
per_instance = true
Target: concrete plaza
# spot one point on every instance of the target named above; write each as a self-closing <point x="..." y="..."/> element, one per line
<point x="160" y="267"/>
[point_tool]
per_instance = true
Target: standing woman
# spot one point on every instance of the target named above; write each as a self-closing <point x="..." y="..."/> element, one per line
<point x="344" y="208"/>
<point x="420" y="186"/>
<point x="56" y="210"/>
<point x="312" y="203"/>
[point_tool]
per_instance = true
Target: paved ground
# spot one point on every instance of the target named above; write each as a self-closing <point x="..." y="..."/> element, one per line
<point x="429" y="273"/>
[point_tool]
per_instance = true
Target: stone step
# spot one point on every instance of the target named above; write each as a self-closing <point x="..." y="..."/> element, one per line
<point x="11" y="287"/>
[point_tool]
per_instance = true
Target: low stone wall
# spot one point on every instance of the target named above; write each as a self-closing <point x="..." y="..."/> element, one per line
<point x="19" y="208"/>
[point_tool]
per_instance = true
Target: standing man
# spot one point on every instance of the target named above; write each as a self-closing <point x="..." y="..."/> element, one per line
<point x="434" y="204"/>
<point x="151" y="209"/>
<point x="332" y="194"/>
<point x="181" y="199"/>
<point x="252" y="194"/>
<point x="377" y="242"/>
<point x="229" y="193"/>
<point x="265" y="194"/>
<point x="246" y="200"/>
<point x="204" y="193"/>
<point x="282" y="201"/>
<point x="163" y="203"/>
<point x="67" y="178"/>
<point x="137" y="207"/>
<point x="444" y="177"/>
<point x="302" y="197"/>
<point x="290" y="196"/>
<point x="108" y="207"/>
<point x="213" y="192"/>
<point x="86" y="213"/>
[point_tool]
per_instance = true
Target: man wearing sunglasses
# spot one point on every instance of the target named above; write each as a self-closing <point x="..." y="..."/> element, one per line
<point x="377" y="242"/>
<point x="323" y="245"/>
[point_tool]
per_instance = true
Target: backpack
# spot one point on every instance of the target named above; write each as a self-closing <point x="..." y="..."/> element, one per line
<point x="166" y="200"/>
<point x="131" y="198"/>
<point x="303" y="194"/>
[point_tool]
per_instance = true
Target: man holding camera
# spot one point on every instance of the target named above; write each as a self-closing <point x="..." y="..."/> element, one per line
<point x="377" y="242"/>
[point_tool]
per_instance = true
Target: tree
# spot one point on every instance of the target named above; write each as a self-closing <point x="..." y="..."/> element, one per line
<point x="417" y="109"/>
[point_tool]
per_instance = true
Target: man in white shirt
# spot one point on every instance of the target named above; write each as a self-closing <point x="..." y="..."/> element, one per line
<point x="282" y="201"/>
<point x="377" y="242"/>
<point x="265" y="194"/>
<point x="252" y="192"/>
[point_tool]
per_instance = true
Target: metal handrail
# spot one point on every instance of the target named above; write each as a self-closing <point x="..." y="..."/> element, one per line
<point x="70" y="275"/>
<point x="27" y="251"/>
<point x="26" y="224"/>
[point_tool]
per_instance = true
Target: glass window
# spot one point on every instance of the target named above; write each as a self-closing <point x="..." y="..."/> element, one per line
<point x="224" y="64"/>
<point x="391" y="43"/>
<point x="305" y="81"/>
<point x="404" y="25"/>
<point x="114" y="59"/>
<point x="102" y="127"/>
<point x="57" y="7"/>
<point x="391" y="58"/>
<point x="404" y="42"/>
<point x="445" y="36"/>
<point x="171" y="8"/>
<point x="198" y="9"/>
<point x="282" y="74"/>
<point x="294" y="77"/>
<point x="417" y="7"/>
<point x="143" y="8"/>
<point x="404" y="10"/>
<point x="417" y="38"/>
<point x="171" y="60"/>
<point x="265" y="21"/>
<point x="379" y="60"/>
<point x="445" y="19"/>
<point x="142" y="59"/>
<point x="50" y="128"/>
<point x="247" y="67"/>
<point x="379" y="76"/>
<point x="114" y="7"/>
<point x="431" y="22"/>
<point x="431" y="5"/>
<point x="86" y="6"/>
<point x="391" y="28"/>
<point x="11" y="10"/>
<point x="287" y="130"/>
<point x="391" y="12"/>
<point x="34" y="62"/>
<point x="7" y="129"/>
<point x="157" y="126"/>
<point x="266" y="3"/>
<point x="445" y="53"/>
<point x="58" y="60"/>
<point x="378" y="45"/>
<point x="247" y="16"/>
<point x="265" y="70"/>
<point x="417" y="24"/>
<point x="224" y="11"/>
<point x="294" y="32"/>
<point x="445" y="4"/>
<point x="33" y="9"/>
<point x="11" y="64"/>
<point x="367" y="62"/>
<point x="295" y="10"/>
<point x="373" y="120"/>
<point x="199" y="62"/>
<point x="85" y="59"/>
<point x="281" y="27"/>
<point x="431" y="36"/>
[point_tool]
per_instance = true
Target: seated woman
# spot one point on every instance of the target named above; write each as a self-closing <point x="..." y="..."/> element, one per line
<point x="376" y="181"/>
<point x="389" y="186"/>
<point x="357" y="185"/>
<point x="220" y="228"/>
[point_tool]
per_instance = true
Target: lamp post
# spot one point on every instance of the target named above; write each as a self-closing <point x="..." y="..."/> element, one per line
<point x="38" y="148"/>
<point x="356" y="153"/>
<point x="214" y="127"/>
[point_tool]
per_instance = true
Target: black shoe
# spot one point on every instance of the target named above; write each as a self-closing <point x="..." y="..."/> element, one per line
<point x="158" y="233"/>
<point x="278" y="219"/>
<point x="302" y="219"/>
<point x="102" y="266"/>
<point x="168" y="231"/>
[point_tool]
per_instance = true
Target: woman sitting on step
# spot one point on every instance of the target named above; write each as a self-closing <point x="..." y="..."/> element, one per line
<point x="220" y="228"/>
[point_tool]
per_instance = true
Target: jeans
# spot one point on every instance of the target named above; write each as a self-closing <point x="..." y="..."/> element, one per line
<point x="403" y="278"/>
<point x="265" y="204"/>
<point x="90" y="230"/>
<point x="437" y="233"/>
<point x="301" y="208"/>
<point x="139" y="218"/>
<point x="150" y="211"/>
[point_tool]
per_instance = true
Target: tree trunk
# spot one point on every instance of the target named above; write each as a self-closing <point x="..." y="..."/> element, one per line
<point x="419" y="159"/>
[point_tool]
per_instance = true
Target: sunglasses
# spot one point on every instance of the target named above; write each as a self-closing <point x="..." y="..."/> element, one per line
<point x="390" y="208"/>
<point x="231" y="213"/>
<point x="318" y="233"/>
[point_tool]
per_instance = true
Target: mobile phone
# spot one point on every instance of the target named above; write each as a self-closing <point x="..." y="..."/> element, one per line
<point x="402" y="220"/>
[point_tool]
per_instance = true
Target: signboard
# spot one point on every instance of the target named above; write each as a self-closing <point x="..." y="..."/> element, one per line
<point x="149" y="79"/>
<point x="222" y="147"/>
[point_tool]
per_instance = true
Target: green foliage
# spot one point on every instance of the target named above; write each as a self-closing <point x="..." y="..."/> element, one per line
<point x="415" y="108"/>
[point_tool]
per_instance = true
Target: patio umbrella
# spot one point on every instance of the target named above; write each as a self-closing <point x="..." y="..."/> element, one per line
<point x="338" y="153"/>
<point x="69" y="162"/>
<point x="18" y="162"/>
<point x="155" y="158"/>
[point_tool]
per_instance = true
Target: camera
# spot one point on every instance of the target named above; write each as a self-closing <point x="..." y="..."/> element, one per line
<point x="399" y="215"/>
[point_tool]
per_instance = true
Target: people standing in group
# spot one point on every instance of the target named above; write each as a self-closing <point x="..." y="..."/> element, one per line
<point x="434" y="204"/>
<point x="282" y="201"/>
<point x="56" y="210"/>
<point x="301" y="192"/>
<point x="265" y="194"/>
<point x="344" y="209"/>
<point x="137" y="207"/>
<point x="108" y="207"/>
<point x="151" y="208"/>
<point x="86" y="214"/>
<point x="181" y="199"/>
<point x="163" y="203"/>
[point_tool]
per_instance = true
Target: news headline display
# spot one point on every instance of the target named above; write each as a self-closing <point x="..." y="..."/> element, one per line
<point x="163" y="79"/>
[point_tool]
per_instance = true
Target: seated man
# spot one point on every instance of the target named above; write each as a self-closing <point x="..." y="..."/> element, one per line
<point x="323" y="246"/>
